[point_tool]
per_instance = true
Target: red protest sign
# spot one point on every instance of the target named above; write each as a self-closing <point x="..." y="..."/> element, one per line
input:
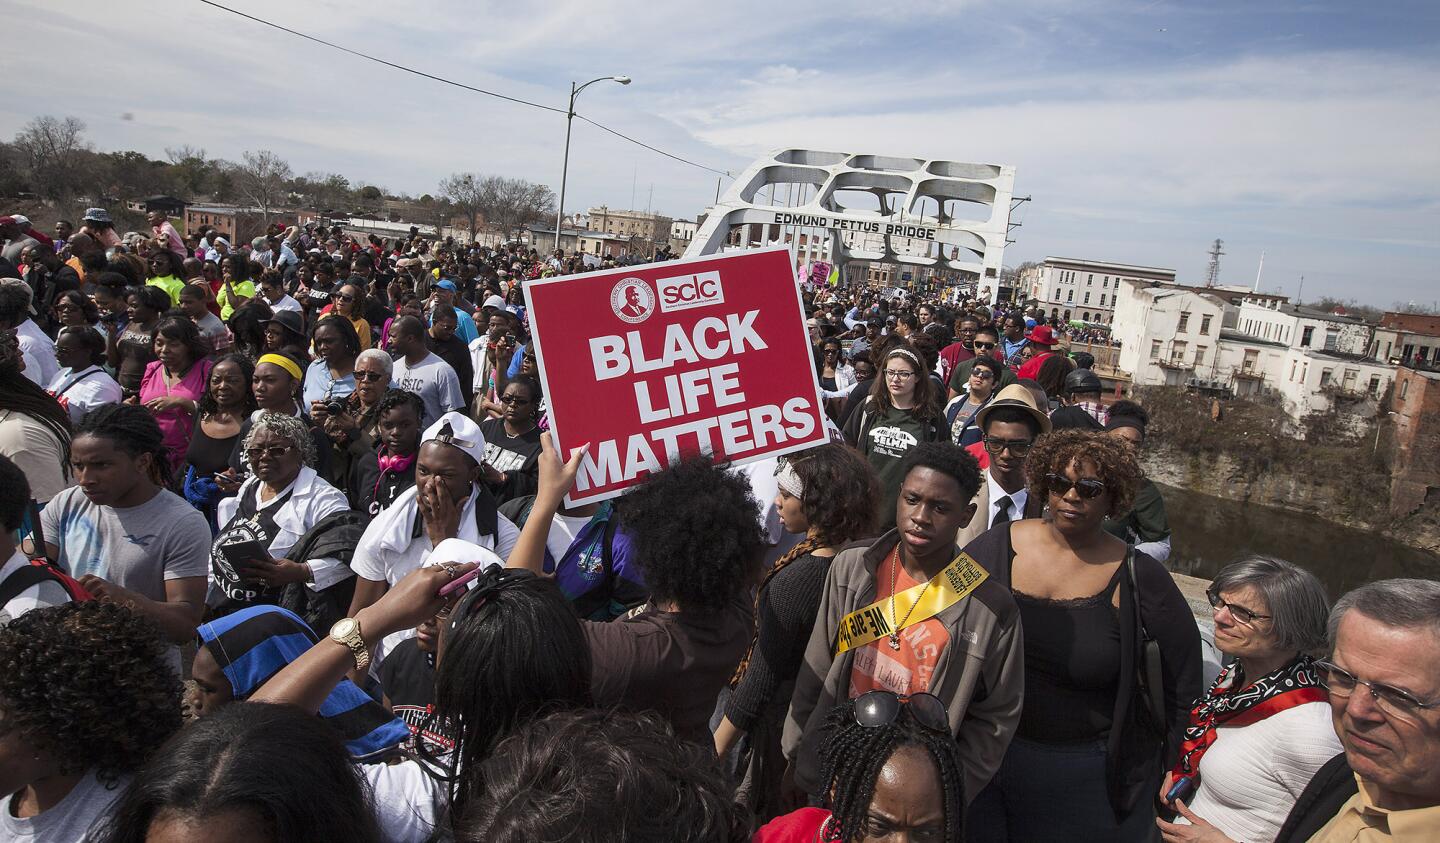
<point x="647" y="363"/>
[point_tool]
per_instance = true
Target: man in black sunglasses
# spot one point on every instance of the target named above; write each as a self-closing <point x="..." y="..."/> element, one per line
<point x="987" y="340"/>
<point x="878" y="631"/>
<point x="1011" y="423"/>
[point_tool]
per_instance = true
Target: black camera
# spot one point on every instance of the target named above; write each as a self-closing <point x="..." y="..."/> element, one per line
<point x="334" y="407"/>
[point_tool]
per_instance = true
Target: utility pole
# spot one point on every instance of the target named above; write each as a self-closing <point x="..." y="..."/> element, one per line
<point x="1212" y="276"/>
<point x="1258" y="271"/>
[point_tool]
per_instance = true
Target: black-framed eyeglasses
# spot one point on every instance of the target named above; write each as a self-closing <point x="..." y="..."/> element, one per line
<point x="1239" y="613"/>
<point x="876" y="709"/>
<point x="1017" y="447"/>
<point x="274" y="452"/>
<point x="1342" y="683"/>
<point x="898" y="374"/>
<point x="1088" y="488"/>
<point x="985" y="346"/>
<point x="513" y="399"/>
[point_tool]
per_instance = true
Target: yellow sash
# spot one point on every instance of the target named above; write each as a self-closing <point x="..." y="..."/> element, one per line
<point x="962" y="576"/>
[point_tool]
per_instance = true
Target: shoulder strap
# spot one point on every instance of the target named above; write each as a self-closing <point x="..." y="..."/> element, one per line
<point x="18" y="582"/>
<point x="1152" y="682"/>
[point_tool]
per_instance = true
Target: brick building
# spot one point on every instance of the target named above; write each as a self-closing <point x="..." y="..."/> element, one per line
<point x="1416" y="452"/>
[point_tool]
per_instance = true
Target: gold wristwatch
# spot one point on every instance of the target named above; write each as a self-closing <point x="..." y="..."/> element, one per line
<point x="347" y="631"/>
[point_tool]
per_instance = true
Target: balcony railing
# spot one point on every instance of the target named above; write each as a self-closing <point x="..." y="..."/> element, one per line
<point x="1248" y="373"/>
<point x="1176" y="361"/>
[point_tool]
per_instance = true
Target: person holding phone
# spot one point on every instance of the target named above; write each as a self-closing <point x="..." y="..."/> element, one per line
<point x="278" y="504"/>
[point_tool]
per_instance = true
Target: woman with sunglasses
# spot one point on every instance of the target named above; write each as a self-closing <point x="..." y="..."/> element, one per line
<point x="165" y="272"/>
<point x="891" y="768"/>
<point x="236" y="286"/>
<point x="901" y="412"/>
<point x="274" y="508"/>
<point x="963" y="410"/>
<point x="512" y="442"/>
<point x="81" y="385"/>
<point x="1264" y="728"/>
<point x="74" y="309"/>
<point x="348" y="301"/>
<point x="349" y="426"/>
<point x="1085" y="760"/>
<point x="825" y="495"/>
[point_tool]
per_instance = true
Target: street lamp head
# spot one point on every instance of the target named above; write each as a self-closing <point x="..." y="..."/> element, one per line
<point x="623" y="80"/>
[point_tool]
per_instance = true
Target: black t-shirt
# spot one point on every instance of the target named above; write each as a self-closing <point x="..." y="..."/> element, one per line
<point x="455" y="352"/>
<point x="407" y="676"/>
<point x="518" y="457"/>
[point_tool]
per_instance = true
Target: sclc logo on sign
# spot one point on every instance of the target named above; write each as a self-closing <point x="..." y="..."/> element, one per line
<point x="686" y="291"/>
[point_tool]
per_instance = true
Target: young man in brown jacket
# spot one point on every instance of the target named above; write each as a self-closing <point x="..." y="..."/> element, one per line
<point x="909" y="614"/>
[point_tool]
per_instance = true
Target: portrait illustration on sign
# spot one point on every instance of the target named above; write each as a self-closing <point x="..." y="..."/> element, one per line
<point x="632" y="300"/>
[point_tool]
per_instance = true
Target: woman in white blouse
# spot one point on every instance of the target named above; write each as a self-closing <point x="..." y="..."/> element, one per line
<point x="1264" y="728"/>
<point x="281" y="500"/>
<point x="81" y="385"/>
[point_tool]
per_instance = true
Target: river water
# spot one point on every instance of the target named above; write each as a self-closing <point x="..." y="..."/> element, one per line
<point x="1209" y="533"/>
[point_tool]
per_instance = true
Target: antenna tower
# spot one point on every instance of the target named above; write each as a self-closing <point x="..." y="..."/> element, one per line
<point x="1212" y="275"/>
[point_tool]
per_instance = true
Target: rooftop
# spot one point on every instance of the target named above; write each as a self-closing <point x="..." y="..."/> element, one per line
<point x="1115" y="268"/>
<point x="1304" y="312"/>
<point x="1415" y="323"/>
<point x="1248" y="339"/>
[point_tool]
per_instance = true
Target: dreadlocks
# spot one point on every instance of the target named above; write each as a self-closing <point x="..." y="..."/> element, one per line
<point x="131" y="429"/>
<point x="852" y="758"/>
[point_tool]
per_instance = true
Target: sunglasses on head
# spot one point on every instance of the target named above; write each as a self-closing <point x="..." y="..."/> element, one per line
<point x="494" y="580"/>
<point x="1087" y="488"/>
<point x="876" y="709"/>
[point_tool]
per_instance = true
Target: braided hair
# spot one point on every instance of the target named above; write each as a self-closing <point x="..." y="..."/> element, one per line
<point x="131" y="429"/>
<point x="853" y="756"/>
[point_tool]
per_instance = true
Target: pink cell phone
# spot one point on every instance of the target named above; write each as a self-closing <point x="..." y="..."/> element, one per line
<point x="460" y="582"/>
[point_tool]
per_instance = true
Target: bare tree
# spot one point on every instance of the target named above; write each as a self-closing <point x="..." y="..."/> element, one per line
<point x="471" y="195"/>
<point x="517" y="202"/>
<point x="261" y="178"/>
<point x="192" y="172"/>
<point x="53" y="153"/>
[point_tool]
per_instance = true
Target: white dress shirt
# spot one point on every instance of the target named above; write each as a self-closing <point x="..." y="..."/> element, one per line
<point x="1017" y="501"/>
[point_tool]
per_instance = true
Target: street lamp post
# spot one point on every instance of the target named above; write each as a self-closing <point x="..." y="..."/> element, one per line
<point x="565" y="166"/>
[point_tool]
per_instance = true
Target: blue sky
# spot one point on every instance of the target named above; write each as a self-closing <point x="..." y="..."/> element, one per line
<point x="1143" y="130"/>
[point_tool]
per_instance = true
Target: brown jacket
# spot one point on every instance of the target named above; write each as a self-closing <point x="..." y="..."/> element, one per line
<point x="980" y="677"/>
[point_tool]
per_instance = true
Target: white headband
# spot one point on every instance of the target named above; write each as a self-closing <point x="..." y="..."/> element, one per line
<point x="791" y="482"/>
<point x="908" y="353"/>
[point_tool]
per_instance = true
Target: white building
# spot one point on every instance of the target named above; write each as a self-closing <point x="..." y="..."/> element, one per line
<point x="1168" y="335"/>
<point x="1298" y="326"/>
<point x="1249" y="344"/>
<point x="1083" y="290"/>
<point x="1318" y="381"/>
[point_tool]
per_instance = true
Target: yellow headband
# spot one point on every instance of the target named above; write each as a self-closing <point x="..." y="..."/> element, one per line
<point x="283" y="362"/>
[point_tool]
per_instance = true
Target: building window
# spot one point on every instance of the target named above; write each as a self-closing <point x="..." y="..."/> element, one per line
<point x="1090" y="280"/>
<point x="1205" y="325"/>
<point x="1177" y="351"/>
<point x="1087" y="297"/>
<point x="1200" y="354"/>
<point x="1102" y="299"/>
<point x="1293" y="364"/>
<point x="1184" y="322"/>
<point x="1154" y="349"/>
<point x="1375" y="385"/>
<point x="1404" y="388"/>
<point x="1325" y="376"/>
<point x="1306" y="335"/>
<point x="1069" y="296"/>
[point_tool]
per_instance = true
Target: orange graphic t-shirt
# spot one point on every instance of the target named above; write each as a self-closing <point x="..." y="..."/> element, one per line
<point x="908" y="670"/>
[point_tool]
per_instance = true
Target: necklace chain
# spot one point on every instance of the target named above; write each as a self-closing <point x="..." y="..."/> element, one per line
<point x="894" y="570"/>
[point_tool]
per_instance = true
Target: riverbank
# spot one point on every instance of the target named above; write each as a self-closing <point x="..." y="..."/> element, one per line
<point x="1248" y="452"/>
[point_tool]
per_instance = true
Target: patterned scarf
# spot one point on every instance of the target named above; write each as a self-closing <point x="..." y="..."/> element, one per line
<point x="1230" y="702"/>
<point x="799" y="550"/>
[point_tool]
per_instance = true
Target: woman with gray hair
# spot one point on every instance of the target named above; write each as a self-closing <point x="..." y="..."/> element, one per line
<point x="1264" y="728"/>
<point x="351" y="424"/>
<point x="279" y="503"/>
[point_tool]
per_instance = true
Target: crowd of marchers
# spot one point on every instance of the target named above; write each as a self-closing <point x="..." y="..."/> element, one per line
<point x="287" y="557"/>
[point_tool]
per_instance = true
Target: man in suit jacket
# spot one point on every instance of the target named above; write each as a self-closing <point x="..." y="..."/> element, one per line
<point x="1011" y="424"/>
